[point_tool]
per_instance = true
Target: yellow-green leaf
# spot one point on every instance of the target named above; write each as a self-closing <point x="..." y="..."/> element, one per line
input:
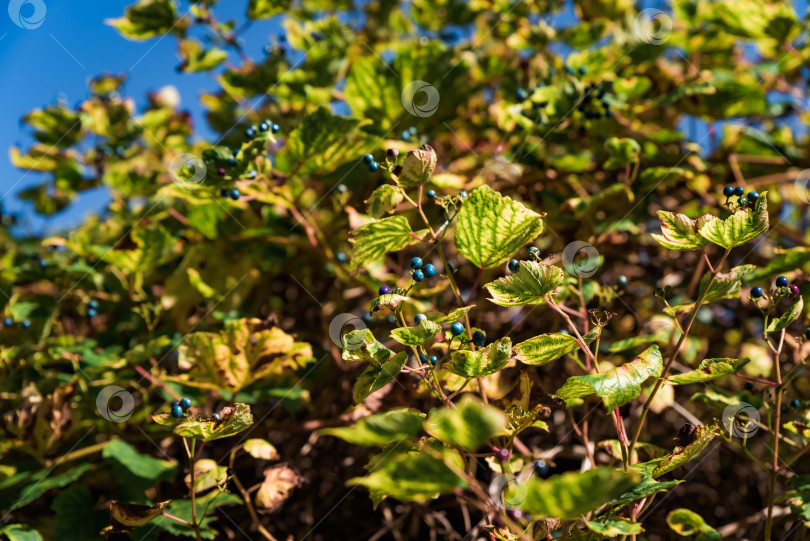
<point x="708" y="370"/>
<point x="529" y="285"/>
<point x="469" y="425"/>
<point x="548" y="347"/>
<point x="741" y="227"/>
<point x="483" y="362"/>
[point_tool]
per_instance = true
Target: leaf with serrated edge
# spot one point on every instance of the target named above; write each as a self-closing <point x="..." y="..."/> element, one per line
<point x="377" y="377"/>
<point x="483" y="362"/>
<point x="380" y="429"/>
<point x="492" y="227"/>
<point x="360" y="345"/>
<point x="417" y="167"/>
<point x="375" y="239"/>
<point x="235" y="419"/>
<point x="529" y="285"/>
<point x="705" y="434"/>
<point x="618" y="386"/>
<point x="545" y="348"/>
<point x="791" y="315"/>
<point x="384" y="199"/>
<point x="417" y="335"/>
<point x="741" y="227"/>
<point x="708" y="370"/>
<point x="572" y="494"/>
<point x="455" y="315"/>
<point x="468" y="425"/>
<point x="680" y="232"/>
<point x="614" y="527"/>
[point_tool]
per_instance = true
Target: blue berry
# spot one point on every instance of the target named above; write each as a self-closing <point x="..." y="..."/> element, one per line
<point x="738" y="191"/>
<point x="384" y="290"/>
<point x="433" y="360"/>
<point x="782" y="282"/>
<point x="743" y="201"/>
<point x="368" y="159"/>
<point x="431" y="194"/>
<point x="416" y="263"/>
<point x="728" y="191"/>
<point x="563" y="331"/>
<point x="749" y="386"/>
<point x="418" y="276"/>
<point x="26" y="324"/>
<point x="342" y="188"/>
<point x="514" y="265"/>
<point x="224" y="192"/>
<point x="250" y="132"/>
<point x="391" y="319"/>
<point x="216" y="417"/>
<point x="429" y="270"/>
<point x="463" y="194"/>
<point x="264" y="126"/>
<point x="185" y="403"/>
<point x="419" y="318"/>
<point x="795" y="403"/>
<point x="367" y="318"/>
<point x="275" y="128"/>
<point x="451" y="268"/>
<point x="92" y="303"/>
<point x="622" y="281"/>
<point x="8" y="322"/>
<point x="756" y="292"/>
<point x="235" y="194"/>
<point x="541" y="469"/>
<point x="479" y="338"/>
<point x="422" y="358"/>
<point x="231" y="163"/>
<point x="177" y="412"/>
<point x="92" y="312"/>
<point x="784" y="408"/>
<point x="43" y="263"/>
<point x="456" y="328"/>
<point x="373" y="167"/>
<point x="175" y="403"/>
<point x="521" y="94"/>
<point x="806" y="332"/>
<point x="251" y="174"/>
<point x="753" y="196"/>
<point x="341" y="257"/>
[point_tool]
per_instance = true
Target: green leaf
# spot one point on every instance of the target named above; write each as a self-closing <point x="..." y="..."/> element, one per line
<point x="377" y="377"/>
<point x="647" y="487"/>
<point x="703" y="436"/>
<point x="413" y="476"/>
<point x="454" y="315"/>
<point x="20" y="532"/>
<point x="143" y="466"/>
<point x="618" y="386"/>
<point x="615" y="527"/>
<point x="263" y="9"/>
<point x="548" y="347"/>
<point x="688" y="523"/>
<point x="360" y="345"/>
<point x="260" y="449"/>
<point x="195" y="58"/>
<point x="372" y="92"/>
<point x="483" y="362"/>
<point x="791" y="315"/>
<point x="76" y="516"/>
<point x="321" y="143"/>
<point x="572" y="494"/>
<point x="146" y="19"/>
<point x="529" y="285"/>
<point x="492" y="227"/>
<point x="374" y="239"/>
<point x="417" y="167"/>
<point x="154" y="246"/>
<point x="235" y="419"/>
<point x="206" y="508"/>
<point x="380" y="429"/>
<point x="41" y="482"/>
<point x="784" y="260"/>
<point x="384" y="199"/>
<point x="742" y="226"/>
<point x="621" y="152"/>
<point x="708" y="370"/>
<point x="417" y="335"/>
<point x="468" y="425"/>
<point x="679" y="232"/>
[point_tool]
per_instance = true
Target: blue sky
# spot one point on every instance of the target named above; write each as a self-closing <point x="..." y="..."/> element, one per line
<point x="57" y="59"/>
<point x="73" y="44"/>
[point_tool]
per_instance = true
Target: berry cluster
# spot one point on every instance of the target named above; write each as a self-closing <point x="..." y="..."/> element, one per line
<point x="420" y="271"/>
<point x="781" y="282"/>
<point x="180" y="407"/>
<point x="534" y="255"/>
<point x="742" y="199"/>
<point x="263" y="127"/>
<point x="9" y="323"/>
<point x="373" y="166"/>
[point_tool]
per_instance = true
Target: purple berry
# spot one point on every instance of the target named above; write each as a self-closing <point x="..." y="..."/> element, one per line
<point x="502" y="454"/>
<point x="384" y="290"/>
<point x="794" y="290"/>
